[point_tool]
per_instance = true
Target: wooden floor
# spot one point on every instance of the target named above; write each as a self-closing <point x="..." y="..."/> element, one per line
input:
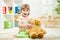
<point x="9" y="34"/>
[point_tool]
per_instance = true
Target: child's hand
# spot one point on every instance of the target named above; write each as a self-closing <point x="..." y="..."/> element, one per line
<point x="29" y="26"/>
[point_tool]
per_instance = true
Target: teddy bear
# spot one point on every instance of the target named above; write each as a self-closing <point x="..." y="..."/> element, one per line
<point x="36" y="31"/>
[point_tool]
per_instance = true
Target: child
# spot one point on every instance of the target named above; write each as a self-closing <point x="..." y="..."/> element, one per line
<point x="23" y="19"/>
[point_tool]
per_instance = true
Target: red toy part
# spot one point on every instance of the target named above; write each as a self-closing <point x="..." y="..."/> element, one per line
<point x="4" y="10"/>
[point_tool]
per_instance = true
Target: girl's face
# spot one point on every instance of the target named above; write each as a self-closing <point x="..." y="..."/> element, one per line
<point x="25" y="12"/>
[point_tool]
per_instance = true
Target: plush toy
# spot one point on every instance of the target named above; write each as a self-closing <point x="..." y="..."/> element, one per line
<point x="36" y="31"/>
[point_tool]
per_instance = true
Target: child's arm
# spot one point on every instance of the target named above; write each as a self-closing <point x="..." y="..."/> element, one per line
<point x="20" y="23"/>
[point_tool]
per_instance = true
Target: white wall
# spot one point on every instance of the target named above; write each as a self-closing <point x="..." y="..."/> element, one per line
<point x="35" y="6"/>
<point x="41" y="7"/>
<point x="1" y="15"/>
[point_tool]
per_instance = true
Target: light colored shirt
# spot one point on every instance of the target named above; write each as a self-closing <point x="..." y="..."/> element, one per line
<point x="23" y="20"/>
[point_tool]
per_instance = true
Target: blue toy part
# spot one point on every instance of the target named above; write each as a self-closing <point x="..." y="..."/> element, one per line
<point x="17" y="8"/>
<point x="16" y="23"/>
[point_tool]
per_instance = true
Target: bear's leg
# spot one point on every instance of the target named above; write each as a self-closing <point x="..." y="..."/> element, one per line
<point x="33" y="35"/>
<point x="40" y="34"/>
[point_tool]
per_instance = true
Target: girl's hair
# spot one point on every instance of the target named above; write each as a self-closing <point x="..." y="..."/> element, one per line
<point x="25" y="6"/>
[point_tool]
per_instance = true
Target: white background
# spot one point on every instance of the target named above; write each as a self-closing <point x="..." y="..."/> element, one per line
<point x="37" y="8"/>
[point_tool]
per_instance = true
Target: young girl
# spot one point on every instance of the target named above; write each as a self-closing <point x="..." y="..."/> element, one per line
<point x="24" y="17"/>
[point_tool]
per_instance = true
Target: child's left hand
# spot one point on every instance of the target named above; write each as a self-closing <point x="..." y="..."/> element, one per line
<point x="29" y="26"/>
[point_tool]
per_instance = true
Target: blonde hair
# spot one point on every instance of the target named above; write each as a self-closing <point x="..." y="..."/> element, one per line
<point x="25" y="6"/>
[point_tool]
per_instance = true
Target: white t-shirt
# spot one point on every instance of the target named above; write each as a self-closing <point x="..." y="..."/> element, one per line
<point x="23" y="20"/>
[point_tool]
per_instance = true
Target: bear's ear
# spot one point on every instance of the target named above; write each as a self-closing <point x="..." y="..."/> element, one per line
<point x="31" y="19"/>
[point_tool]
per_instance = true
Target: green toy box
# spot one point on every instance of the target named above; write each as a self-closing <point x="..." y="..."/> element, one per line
<point x="7" y="24"/>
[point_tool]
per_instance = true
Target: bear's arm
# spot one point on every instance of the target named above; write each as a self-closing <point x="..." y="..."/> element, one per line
<point x="43" y="31"/>
<point x="28" y="31"/>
